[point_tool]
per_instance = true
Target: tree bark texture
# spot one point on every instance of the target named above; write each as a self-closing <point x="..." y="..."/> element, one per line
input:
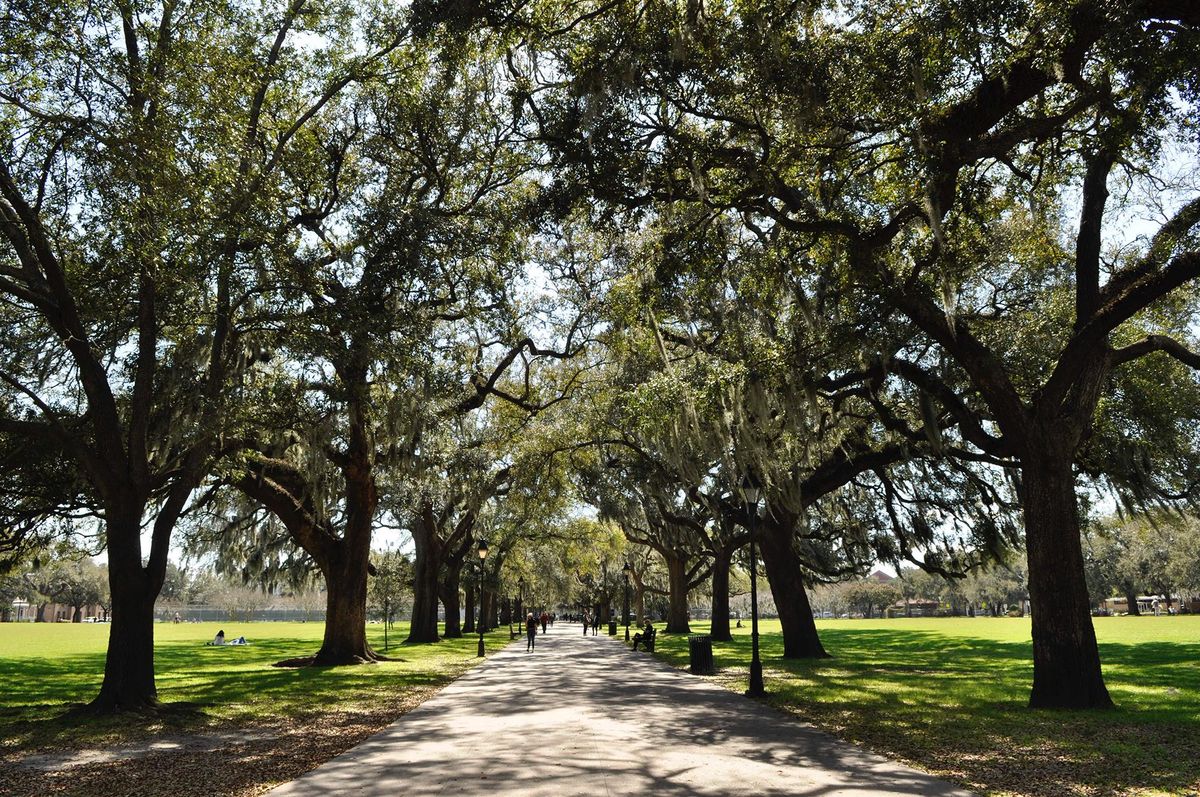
<point x="677" y="580"/>
<point x="129" y="664"/>
<point x="345" y="639"/>
<point x="426" y="562"/>
<point x="1066" y="659"/>
<point x="783" y="569"/>
<point x="719" y="629"/>
<point x="472" y="598"/>
<point x="453" y="610"/>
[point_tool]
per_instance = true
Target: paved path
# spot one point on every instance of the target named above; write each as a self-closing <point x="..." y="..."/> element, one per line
<point x="585" y="716"/>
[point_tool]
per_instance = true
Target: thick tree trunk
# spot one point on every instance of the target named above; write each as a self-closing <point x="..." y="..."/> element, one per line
<point x="346" y="573"/>
<point x="1066" y="660"/>
<point x="677" y="579"/>
<point x="486" y="613"/>
<point x="720" y="596"/>
<point x="129" y="664"/>
<point x="782" y="565"/>
<point x="469" y="622"/>
<point x="426" y="562"/>
<point x="345" y="639"/>
<point x="453" y="610"/>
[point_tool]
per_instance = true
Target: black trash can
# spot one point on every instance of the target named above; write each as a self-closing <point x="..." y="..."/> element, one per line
<point x="612" y="627"/>
<point x="700" y="655"/>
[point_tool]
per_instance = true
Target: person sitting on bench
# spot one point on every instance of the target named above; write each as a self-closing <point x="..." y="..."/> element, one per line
<point x="646" y="637"/>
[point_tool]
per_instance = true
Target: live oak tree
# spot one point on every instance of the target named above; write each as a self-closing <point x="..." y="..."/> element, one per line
<point x="414" y="221"/>
<point x="142" y="149"/>
<point x="931" y="154"/>
<point x="726" y="368"/>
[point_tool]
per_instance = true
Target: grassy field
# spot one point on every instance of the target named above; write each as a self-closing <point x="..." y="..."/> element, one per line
<point x="228" y="713"/>
<point x="946" y="695"/>
<point x="949" y="695"/>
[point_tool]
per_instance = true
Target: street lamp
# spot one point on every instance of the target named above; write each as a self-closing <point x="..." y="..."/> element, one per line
<point x="483" y="552"/>
<point x="750" y="490"/>
<point x="625" y="572"/>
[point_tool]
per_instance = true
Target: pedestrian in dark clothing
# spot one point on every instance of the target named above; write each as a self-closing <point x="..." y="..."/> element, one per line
<point x="545" y="618"/>
<point x="531" y="625"/>
<point x="587" y="618"/>
<point x="647" y="632"/>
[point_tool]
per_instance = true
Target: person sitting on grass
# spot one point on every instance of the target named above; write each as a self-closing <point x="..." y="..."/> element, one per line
<point x="219" y="639"/>
<point x="645" y="633"/>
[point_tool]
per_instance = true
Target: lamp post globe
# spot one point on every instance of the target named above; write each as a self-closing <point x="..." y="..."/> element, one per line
<point x="750" y="491"/>
<point x="482" y="550"/>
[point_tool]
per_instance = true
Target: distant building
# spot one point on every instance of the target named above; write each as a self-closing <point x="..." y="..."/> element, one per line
<point x="1181" y="603"/>
<point x="881" y="577"/>
<point x="916" y="607"/>
<point x="25" y="611"/>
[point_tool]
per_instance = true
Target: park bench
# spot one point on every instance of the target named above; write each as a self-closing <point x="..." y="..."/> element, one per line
<point x="646" y="639"/>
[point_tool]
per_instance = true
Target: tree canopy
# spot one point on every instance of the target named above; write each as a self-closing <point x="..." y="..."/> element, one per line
<point x="569" y="275"/>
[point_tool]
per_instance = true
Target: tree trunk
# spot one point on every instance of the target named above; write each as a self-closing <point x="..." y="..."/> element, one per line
<point x="800" y="637"/>
<point x="345" y="639"/>
<point x="487" y="614"/>
<point x="346" y="573"/>
<point x="426" y="562"/>
<point x="1131" y="600"/>
<point x="1066" y="660"/>
<point x="77" y="614"/>
<point x="469" y="622"/>
<point x="449" y="593"/>
<point x="719" y="629"/>
<point x="129" y="664"/>
<point x="677" y="614"/>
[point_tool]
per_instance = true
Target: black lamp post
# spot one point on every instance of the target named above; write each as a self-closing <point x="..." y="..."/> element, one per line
<point x="625" y="572"/>
<point x="521" y="597"/>
<point x="482" y="550"/>
<point x="750" y="488"/>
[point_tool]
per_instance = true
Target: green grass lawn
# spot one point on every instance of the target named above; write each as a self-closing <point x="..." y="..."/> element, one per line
<point x="46" y="668"/>
<point x="949" y="695"/>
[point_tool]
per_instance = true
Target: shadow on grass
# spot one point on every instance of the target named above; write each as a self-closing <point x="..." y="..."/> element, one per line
<point x="957" y="705"/>
<point x="205" y="686"/>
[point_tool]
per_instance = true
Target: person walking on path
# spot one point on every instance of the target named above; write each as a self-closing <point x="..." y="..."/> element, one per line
<point x="531" y="625"/>
<point x="595" y="623"/>
<point x="545" y="618"/>
<point x="586" y="619"/>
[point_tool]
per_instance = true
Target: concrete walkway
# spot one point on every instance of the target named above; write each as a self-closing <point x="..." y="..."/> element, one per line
<point x="586" y="716"/>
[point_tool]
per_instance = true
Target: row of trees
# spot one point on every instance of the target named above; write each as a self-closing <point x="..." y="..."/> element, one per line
<point x="883" y="277"/>
<point x="68" y="578"/>
<point x="273" y="276"/>
<point x="1157" y="554"/>
<point x="261" y="278"/>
